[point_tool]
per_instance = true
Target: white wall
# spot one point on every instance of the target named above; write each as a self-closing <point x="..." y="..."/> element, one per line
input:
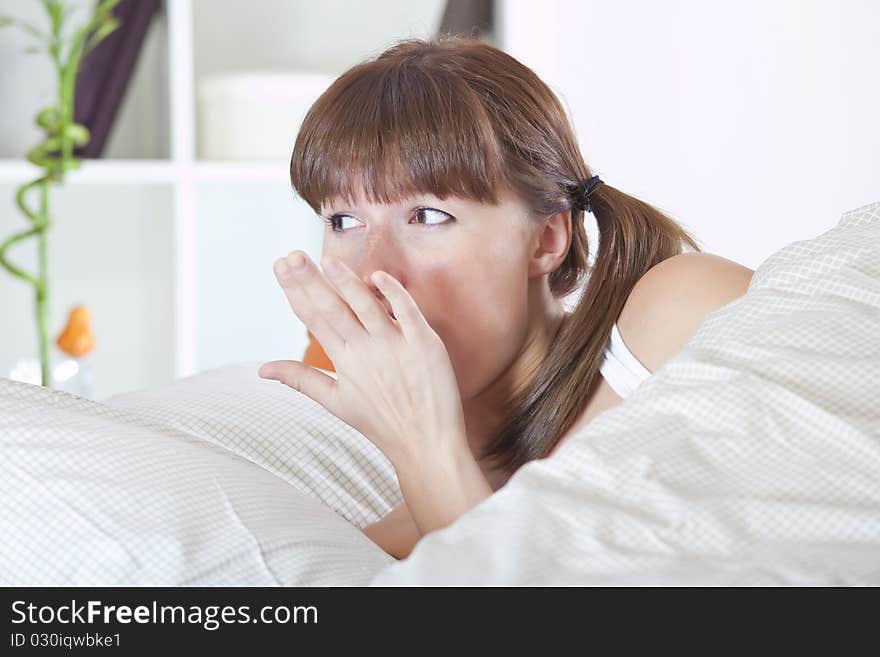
<point x="327" y="36"/>
<point x="754" y="123"/>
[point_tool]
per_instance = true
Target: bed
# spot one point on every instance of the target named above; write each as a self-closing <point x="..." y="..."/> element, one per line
<point x="750" y="458"/>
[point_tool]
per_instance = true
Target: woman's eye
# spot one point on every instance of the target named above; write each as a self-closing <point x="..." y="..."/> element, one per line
<point x="335" y="222"/>
<point x="340" y="218"/>
<point x="426" y="216"/>
<point x="428" y="212"/>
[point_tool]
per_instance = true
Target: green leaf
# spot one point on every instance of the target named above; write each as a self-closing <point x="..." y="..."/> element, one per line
<point x="48" y="119"/>
<point x="39" y="154"/>
<point x="71" y="165"/>
<point x="78" y="134"/>
<point x="106" y="5"/>
<point x="52" y="144"/>
<point x="5" y="20"/>
<point x="37" y="157"/>
<point x="32" y="29"/>
<point x="67" y="11"/>
<point x="55" y="10"/>
<point x="103" y="32"/>
<point x="55" y="48"/>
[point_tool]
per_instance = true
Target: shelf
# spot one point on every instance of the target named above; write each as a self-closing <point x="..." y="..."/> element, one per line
<point x="95" y="171"/>
<point x="243" y="172"/>
<point x="154" y="171"/>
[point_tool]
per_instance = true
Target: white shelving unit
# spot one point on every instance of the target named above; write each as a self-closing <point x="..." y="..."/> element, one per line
<point x="153" y="171"/>
<point x="186" y="181"/>
<point x="182" y="171"/>
<point x="182" y="114"/>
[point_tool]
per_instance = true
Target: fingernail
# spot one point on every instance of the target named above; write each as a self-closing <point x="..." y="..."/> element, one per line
<point x="281" y="268"/>
<point x="296" y="261"/>
<point x="331" y="267"/>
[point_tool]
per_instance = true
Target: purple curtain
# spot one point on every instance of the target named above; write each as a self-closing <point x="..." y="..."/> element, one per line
<point x="467" y="17"/>
<point x="106" y="71"/>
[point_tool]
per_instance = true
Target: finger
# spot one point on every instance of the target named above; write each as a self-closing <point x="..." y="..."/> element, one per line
<point x="311" y="382"/>
<point x="303" y="308"/>
<point x="409" y="317"/>
<point x="368" y="309"/>
<point x="317" y="304"/>
<point x="327" y="301"/>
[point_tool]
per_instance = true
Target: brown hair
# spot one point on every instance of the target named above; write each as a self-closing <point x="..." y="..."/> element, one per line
<point x="457" y="116"/>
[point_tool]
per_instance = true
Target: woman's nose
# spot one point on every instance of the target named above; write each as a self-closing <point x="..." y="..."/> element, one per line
<point x="372" y="262"/>
<point x="386" y="304"/>
<point x="379" y="255"/>
<point x="365" y="277"/>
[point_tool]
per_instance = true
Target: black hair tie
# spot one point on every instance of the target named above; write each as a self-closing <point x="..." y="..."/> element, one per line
<point x="583" y="191"/>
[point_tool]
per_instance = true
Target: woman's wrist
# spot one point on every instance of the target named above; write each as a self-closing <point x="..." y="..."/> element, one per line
<point x="440" y="487"/>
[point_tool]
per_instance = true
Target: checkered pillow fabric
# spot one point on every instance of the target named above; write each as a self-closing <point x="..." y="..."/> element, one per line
<point x="279" y="429"/>
<point x="219" y="479"/>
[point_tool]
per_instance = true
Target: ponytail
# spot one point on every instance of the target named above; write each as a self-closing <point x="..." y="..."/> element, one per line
<point x="633" y="237"/>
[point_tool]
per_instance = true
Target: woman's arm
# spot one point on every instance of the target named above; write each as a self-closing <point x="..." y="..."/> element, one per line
<point x="441" y="485"/>
<point x="670" y="301"/>
<point x="435" y="495"/>
<point x="396" y="532"/>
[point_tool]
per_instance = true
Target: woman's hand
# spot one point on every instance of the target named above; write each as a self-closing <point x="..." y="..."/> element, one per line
<point x="395" y="382"/>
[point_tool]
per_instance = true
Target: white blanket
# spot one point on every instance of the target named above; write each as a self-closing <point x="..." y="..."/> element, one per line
<point x="752" y="457"/>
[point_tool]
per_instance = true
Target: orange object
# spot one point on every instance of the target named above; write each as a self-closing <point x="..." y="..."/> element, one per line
<point x="76" y="339"/>
<point x="315" y="356"/>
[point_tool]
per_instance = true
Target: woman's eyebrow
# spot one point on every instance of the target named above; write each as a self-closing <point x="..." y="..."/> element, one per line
<point x="402" y="205"/>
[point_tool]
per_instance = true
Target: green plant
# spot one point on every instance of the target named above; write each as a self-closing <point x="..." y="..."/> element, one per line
<point x="66" y="45"/>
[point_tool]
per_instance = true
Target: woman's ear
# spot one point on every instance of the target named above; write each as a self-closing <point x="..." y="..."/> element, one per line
<point x="550" y="244"/>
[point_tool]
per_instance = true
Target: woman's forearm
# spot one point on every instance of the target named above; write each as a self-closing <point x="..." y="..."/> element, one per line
<point x="439" y="488"/>
<point x="396" y="532"/>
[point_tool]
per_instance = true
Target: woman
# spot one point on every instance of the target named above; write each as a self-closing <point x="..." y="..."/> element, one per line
<point x="453" y="191"/>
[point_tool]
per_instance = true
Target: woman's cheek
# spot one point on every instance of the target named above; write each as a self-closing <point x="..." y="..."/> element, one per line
<point x="476" y="318"/>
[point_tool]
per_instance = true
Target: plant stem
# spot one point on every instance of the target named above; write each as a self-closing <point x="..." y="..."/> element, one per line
<point x="43" y="288"/>
<point x="55" y="154"/>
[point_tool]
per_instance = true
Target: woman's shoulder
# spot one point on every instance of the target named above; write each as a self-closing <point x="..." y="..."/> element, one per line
<point x="670" y="300"/>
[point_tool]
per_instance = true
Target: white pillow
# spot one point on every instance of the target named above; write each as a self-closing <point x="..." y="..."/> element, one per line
<point x="95" y="495"/>
<point x="279" y="429"/>
<point x="751" y="457"/>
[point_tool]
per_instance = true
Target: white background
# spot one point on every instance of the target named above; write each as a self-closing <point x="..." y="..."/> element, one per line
<point x="753" y="123"/>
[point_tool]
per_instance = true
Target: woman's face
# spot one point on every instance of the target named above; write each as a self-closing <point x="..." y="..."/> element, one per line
<point x="464" y="263"/>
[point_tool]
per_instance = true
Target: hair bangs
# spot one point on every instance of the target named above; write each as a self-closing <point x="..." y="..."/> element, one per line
<point x="391" y="130"/>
